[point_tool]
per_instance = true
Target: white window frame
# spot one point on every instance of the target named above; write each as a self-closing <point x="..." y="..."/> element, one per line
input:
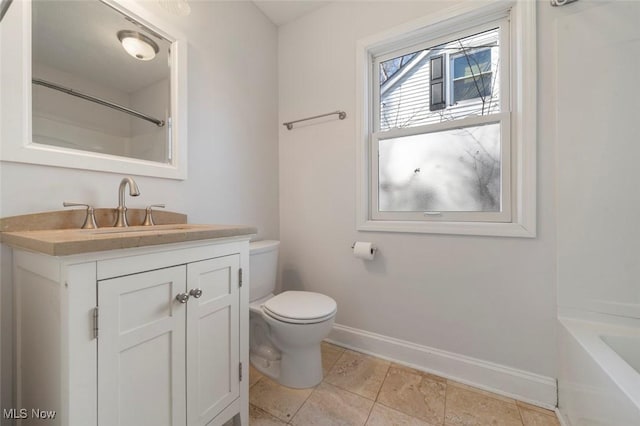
<point x="517" y="117"/>
<point x="376" y="135"/>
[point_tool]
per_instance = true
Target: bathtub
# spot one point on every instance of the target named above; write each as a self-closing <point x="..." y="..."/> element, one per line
<point x="599" y="373"/>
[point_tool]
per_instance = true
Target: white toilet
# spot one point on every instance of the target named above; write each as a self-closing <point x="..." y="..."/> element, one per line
<point x="286" y="329"/>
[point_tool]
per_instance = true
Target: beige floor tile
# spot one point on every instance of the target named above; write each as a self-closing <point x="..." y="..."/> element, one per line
<point x="329" y="405"/>
<point x="470" y="407"/>
<point x="277" y="400"/>
<point x="258" y="417"/>
<point x="358" y="373"/>
<point x="330" y="354"/>
<point x="538" y="418"/>
<point x="385" y="416"/>
<point x="415" y="394"/>
<point x="482" y="391"/>
<point x="535" y="408"/>
<point x="423" y="373"/>
<point x="254" y="375"/>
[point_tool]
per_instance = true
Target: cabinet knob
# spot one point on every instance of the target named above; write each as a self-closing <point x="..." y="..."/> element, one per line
<point x="182" y="297"/>
<point x="195" y="292"/>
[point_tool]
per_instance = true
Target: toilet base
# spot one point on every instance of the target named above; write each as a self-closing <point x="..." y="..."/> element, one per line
<point x="268" y="367"/>
<point x="299" y="370"/>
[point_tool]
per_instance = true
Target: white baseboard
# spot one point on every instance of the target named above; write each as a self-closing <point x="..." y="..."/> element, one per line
<point x="507" y="381"/>
<point x="561" y="418"/>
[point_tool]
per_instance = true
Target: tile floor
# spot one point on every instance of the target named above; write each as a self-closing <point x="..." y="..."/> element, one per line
<point x="359" y="389"/>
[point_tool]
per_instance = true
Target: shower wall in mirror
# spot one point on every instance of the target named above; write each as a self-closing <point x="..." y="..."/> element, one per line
<point x="91" y="94"/>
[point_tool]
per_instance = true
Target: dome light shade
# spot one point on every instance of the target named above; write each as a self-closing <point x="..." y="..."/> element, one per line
<point x="138" y="45"/>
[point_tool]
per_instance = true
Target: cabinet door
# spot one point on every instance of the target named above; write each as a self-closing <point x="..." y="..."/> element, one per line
<point x="141" y="349"/>
<point x="212" y="338"/>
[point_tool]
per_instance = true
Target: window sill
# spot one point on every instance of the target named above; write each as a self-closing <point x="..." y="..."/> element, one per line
<point x="451" y="228"/>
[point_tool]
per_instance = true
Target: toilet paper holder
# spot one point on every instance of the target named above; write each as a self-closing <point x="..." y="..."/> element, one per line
<point x="373" y="248"/>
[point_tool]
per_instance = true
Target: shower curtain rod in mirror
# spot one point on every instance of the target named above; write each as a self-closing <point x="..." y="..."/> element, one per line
<point x="106" y="103"/>
<point x="557" y="3"/>
<point x="4" y="6"/>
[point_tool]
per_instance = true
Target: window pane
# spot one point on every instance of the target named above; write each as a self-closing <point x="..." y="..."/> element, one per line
<point x="451" y="171"/>
<point x="472" y="64"/>
<point x="472" y="87"/>
<point x="392" y="66"/>
<point x="404" y="101"/>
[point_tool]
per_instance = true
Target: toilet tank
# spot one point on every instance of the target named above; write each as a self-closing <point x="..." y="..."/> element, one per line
<point x="263" y="264"/>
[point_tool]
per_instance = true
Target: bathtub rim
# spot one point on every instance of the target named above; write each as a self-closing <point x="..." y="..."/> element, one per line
<point x="588" y="334"/>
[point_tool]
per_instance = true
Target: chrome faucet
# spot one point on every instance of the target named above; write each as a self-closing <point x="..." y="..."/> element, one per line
<point x="121" y="210"/>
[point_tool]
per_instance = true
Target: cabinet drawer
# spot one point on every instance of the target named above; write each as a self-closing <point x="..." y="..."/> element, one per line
<point x="134" y="261"/>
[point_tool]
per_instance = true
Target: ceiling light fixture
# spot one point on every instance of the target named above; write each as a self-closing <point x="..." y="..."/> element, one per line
<point x="138" y="45"/>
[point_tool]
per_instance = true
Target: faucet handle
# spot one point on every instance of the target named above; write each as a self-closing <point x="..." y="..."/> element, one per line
<point x="90" y="219"/>
<point x="148" y="218"/>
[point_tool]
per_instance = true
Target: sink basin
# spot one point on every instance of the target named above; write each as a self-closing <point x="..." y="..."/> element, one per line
<point x="153" y="228"/>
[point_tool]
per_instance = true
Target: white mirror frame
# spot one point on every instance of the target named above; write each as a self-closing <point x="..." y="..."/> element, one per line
<point x="16" y="144"/>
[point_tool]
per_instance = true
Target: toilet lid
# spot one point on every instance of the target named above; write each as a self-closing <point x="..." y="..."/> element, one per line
<point x="300" y="305"/>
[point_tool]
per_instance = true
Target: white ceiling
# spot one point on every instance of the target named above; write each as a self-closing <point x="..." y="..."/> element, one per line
<point x="282" y="12"/>
<point x="79" y="37"/>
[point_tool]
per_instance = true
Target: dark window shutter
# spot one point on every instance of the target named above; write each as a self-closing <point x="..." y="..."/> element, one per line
<point x="437" y="86"/>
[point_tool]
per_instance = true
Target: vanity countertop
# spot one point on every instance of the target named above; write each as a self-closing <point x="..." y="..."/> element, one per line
<point x="63" y="242"/>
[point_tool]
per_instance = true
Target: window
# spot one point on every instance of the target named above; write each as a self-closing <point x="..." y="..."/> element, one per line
<point x="472" y="76"/>
<point x="439" y="159"/>
<point x="442" y="151"/>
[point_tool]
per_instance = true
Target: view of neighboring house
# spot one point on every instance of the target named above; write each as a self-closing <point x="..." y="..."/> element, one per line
<point x="468" y="71"/>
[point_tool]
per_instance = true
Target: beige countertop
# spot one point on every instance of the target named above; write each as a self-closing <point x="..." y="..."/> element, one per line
<point x="63" y="242"/>
<point x="66" y="238"/>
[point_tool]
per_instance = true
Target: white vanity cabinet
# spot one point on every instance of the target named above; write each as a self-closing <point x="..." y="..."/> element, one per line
<point x="146" y="336"/>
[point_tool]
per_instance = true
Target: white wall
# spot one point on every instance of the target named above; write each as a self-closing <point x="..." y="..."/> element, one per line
<point x="598" y="128"/>
<point x="149" y="141"/>
<point x="233" y="148"/>
<point x="63" y="120"/>
<point x="488" y="298"/>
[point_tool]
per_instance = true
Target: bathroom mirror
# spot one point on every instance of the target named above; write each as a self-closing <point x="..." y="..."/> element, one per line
<point x="103" y="87"/>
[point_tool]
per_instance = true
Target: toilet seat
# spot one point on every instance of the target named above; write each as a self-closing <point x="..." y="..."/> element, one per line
<point x="300" y="307"/>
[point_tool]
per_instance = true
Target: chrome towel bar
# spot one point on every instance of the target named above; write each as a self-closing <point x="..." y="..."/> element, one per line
<point x="341" y="115"/>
